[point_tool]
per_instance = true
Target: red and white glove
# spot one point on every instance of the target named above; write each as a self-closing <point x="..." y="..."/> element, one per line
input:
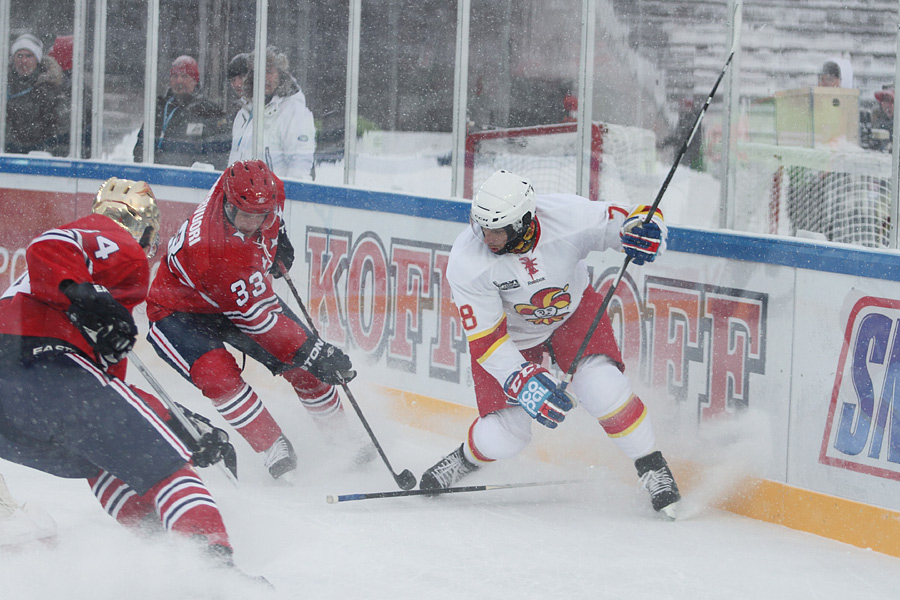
<point x="643" y="243"/>
<point x="539" y="393"/>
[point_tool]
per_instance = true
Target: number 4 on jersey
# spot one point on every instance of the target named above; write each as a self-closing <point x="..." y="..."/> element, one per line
<point x="105" y="248"/>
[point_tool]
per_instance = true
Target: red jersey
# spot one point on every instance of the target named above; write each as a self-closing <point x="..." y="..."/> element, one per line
<point x="92" y="249"/>
<point x="211" y="267"/>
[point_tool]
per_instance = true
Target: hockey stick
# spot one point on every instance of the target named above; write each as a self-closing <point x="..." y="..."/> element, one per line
<point x="406" y="480"/>
<point x="449" y="490"/>
<point x="662" y="190"/>
<point x="229" y="458"/>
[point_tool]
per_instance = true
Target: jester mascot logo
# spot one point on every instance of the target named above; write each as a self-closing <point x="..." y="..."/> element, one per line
<point x="546" y="306"/>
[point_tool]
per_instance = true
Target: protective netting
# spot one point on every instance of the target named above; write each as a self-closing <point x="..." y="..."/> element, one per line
<point x="621" y="156"/>
<point x="843" y="195"/>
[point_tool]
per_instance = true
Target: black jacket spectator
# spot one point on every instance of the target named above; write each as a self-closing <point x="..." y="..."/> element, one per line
<point x="34" y="97"/>
<point x="189" y="128"/>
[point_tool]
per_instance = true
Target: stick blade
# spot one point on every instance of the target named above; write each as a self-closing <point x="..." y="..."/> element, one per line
<point x="406" y="480"/>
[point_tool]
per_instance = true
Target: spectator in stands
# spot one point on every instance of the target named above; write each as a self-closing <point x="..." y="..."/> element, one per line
<point x="830" y="75"/>
<point x="34" y="95"/>
<point x="882" y="121"/>
<point x="61" y="51"/>
<point x="289" y="130"/>
<point x="238" y="68"/>
<point x="836" y="72"/>
<point x="189" y="128"/>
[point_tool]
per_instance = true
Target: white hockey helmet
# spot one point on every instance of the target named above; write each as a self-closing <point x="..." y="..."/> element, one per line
<point x="504" y="201"/>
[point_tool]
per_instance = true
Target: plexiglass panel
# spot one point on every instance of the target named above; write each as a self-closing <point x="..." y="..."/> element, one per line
<point x="796" y="142"/>
<point x="811" y="141"/>
<point x="405" y="107"/>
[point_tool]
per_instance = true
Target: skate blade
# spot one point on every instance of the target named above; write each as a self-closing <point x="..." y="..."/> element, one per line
<point x="27" y="524"/>
<point x="670" y="512"/>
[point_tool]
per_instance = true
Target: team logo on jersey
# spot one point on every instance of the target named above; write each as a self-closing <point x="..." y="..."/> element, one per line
<point x="530" y="265"/>
<point x="546" y="306"/>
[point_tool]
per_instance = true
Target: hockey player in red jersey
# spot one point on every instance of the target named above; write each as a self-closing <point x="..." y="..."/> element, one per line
<point x="65" y="330"/>
<point x="214" y="287"/>
<point x="522" y="288"/>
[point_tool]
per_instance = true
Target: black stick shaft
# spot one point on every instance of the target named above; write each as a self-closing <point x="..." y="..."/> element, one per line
<point x="662" y="190"/>
<point x="175" y="409"/>
<point x="401" y="479"/>
<point x="450" y="490"/>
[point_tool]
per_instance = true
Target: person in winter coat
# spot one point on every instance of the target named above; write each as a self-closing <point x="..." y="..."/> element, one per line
<point x="189" y="128"/>
<point x="289" y="130"/>
<point x="33" y="97"/>
<point x="238" y="68"/>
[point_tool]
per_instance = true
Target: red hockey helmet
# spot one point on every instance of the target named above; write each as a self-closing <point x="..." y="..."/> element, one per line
<point x="250" y="186"/>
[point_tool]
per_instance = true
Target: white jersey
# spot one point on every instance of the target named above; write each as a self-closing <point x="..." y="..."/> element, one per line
<point x="512" y="301"/>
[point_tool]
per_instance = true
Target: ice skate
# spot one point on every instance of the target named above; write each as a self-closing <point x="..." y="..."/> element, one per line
<point x="27" y="524"/>
<point x="657" y="479"/>
<point x="447" y="471"/>
<point x="223" y="557"/>
<point x="280" y="457"/>
<point x="21" y="525"/>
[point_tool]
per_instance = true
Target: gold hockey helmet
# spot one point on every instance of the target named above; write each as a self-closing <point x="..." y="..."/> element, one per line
<point x="132" y="205"/>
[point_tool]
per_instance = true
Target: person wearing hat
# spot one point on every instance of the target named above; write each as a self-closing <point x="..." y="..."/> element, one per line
<point x="289" y="129"/>
<point x="830" y="75"/>
<point x="836" y="72"/>
<point x="189" y="128"/>
<point x="882" y="121"/>
<point x="237" y="71"/>
<point x="34" y="95"/>
<point x="62" y="52"/>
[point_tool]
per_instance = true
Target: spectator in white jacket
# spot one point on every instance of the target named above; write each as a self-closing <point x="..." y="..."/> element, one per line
<point x="289" y="131"/>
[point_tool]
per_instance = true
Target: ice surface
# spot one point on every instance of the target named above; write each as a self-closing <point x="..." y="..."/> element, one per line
<point x="597" y="539"/>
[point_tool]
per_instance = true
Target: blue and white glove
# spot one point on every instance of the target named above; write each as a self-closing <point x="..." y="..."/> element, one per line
<point x="539" y="393"/>
<point x="643" y="243"/>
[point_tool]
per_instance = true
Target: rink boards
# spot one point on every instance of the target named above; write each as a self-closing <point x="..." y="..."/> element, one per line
<point x="769" y="365"/>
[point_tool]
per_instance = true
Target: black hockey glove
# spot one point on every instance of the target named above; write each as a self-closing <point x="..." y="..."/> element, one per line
<point x="326" y="362"/>
<point x="284" y="254"/>
<point x="213" y="445"/>
<point x="107" y="325"/>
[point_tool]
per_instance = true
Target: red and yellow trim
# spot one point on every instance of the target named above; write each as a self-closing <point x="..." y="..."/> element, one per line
<point x="642" y="210"/>
<point x="624" y="419"/>
<point x="485" y="343"/>
<point x="471" y="443"/>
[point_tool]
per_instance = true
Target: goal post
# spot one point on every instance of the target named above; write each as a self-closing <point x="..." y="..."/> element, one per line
<point x="548" y="154"/>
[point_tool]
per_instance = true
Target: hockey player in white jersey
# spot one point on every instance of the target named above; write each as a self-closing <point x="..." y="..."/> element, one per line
<point x="522" y="288"/>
